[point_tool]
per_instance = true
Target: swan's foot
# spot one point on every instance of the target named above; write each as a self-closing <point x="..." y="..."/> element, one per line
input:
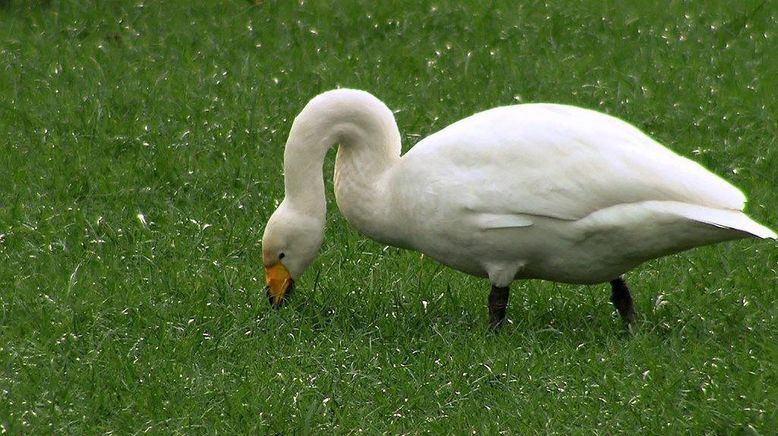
<point x="498" y="302"/>
<point x="621" y="298"/>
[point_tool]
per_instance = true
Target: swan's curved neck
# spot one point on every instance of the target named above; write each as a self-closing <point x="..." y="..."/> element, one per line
<point x="369" y="143"/>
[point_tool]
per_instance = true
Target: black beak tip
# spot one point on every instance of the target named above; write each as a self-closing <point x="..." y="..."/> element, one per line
<point x="281" y="302"/>
<point x="269" y="297"/>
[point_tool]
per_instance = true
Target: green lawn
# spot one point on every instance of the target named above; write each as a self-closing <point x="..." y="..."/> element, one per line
<point x="141" y="147"/>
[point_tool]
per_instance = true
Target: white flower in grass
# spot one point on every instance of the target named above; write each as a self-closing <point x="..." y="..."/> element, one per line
<point x="142" y="219"/>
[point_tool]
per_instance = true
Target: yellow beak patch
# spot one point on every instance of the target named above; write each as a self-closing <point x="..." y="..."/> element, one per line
<point x="277" y="279"/>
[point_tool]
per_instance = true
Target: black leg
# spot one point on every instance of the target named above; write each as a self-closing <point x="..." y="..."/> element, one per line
<point x="621" y="298"/>
<point x="498" y="301"/>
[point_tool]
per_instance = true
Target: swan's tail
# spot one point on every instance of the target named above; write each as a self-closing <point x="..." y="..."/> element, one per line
<point x="724" y="218"/>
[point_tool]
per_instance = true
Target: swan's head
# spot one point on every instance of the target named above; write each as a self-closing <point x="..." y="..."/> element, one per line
<point x="290" y="243"/>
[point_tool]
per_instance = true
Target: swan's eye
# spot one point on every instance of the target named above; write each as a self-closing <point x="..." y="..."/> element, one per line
<point x="281" y="256"/>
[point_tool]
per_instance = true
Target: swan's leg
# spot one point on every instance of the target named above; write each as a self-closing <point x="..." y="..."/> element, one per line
<point x="621" y="298"/>
<point x="498" y="301"/>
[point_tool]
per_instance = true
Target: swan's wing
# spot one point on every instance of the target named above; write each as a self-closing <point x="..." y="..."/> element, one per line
<point x="508" y="164"/>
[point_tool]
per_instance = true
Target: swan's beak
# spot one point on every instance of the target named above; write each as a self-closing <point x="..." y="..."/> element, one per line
<point x="278" y="282"/>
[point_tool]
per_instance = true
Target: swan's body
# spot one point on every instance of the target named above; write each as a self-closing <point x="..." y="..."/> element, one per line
<point x="529" y="191"/>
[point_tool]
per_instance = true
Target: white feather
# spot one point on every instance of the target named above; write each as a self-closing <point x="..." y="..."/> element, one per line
<point x="529" y="191"/>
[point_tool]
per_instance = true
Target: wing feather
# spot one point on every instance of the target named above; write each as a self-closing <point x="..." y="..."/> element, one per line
<point x="556" y="161"/>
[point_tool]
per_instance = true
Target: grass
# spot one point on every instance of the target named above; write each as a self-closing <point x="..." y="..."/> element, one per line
<point x="141" y="156"/>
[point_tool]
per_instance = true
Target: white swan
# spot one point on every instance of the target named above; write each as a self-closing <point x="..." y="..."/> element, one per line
<point x="541" y="191"/>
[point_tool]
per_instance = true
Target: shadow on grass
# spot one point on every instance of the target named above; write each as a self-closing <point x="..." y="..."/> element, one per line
<point x="392" y="319"/>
